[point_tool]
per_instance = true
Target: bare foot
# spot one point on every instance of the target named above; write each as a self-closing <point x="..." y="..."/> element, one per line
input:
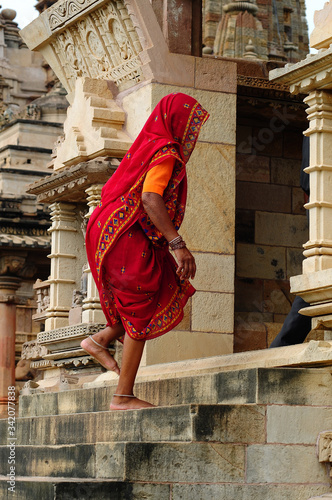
<point x="123" y="403"/>
<point x="101" y="355"/>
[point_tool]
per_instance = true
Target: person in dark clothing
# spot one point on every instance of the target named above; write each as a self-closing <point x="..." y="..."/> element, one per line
<point x="296" y="326"/>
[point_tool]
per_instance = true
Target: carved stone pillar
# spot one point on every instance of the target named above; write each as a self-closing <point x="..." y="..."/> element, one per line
<point x="318" y="249"/>
<point x="312" y="76"/>
<point x="92" y="312"/>
<point x="8" y="287"/>
<point x="66" y="241"/>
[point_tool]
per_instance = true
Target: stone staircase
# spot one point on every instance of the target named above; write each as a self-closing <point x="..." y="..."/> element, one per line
<point x="245" y="434"/>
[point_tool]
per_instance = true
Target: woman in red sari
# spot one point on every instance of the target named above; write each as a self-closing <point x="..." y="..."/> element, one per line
<point x="143" y="290"/>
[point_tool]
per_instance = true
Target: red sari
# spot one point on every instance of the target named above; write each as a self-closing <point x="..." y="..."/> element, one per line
<point x="129" y="258"/>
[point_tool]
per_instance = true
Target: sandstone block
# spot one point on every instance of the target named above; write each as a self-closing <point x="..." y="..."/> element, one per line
<point x="303" y="423"/>
<point x="259" y="196"/>
<point x="252" y="170"/>
<point x="293" y="145"/>
<point x="185" y="462"/>
<point x="298" y="201"/>
<point x="212" y="312"/>
<point x="248" y="295"/>
<point x="284" y="464"/>
<point x="218" y="104"/>
<point x="214" y="272"/>
<point x="220" y="77"/>
<point x="281" y="229"/>
<point x="261" y="261"/>
<point x="210" y="213"/>
<point x="110" y="460"/>
<point x="230" y="424"/>
<point x="246" y="491"/>
<point x="180" y="345"/>
<point x="285" y="171"/>
<point x="53" y="461"/>
<point x="249" y="336"/>
<point x="294" y="261"/>
<point x="277" y="297"/>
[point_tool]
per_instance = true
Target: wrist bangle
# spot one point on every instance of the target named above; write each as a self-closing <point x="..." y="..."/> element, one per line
<point x="175" y="241"/>
<point x="177" y="246"/>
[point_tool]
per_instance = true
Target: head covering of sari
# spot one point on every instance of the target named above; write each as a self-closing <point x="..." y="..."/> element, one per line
<point x="171" y="131"/>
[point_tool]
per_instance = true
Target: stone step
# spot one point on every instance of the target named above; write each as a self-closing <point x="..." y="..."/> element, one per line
<point x="173" y="463"/>
<point x="85" y="489"/>
<point x="293" y="386"/>
<point x="50" y="488"/>
<point x="186" y="423"/>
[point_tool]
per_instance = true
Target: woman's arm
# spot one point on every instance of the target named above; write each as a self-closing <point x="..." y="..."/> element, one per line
<point x="156" y="209"/>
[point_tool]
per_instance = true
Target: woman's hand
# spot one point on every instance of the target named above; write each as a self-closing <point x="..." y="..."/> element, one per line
<point x="186" y="263"/>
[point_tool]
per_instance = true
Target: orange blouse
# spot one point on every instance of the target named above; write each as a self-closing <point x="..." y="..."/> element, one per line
<point x="158" y="177"/>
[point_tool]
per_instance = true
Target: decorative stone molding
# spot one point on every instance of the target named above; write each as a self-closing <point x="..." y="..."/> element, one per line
<point x="33" y="350"/>
<point x="51" y="337"/>
<point x="313" y="73"/>
<point x="69" y="184"/>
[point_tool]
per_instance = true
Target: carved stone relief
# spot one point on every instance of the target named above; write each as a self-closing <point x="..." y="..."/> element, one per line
<point x="103" y="45"/>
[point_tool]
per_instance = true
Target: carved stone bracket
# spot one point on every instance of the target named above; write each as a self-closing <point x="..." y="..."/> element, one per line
<point x="93" y="126"/>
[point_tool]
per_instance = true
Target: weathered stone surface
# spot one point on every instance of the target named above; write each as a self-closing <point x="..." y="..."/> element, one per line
<point x="215" y="273"/>
<point x="245" y="492"/>
<point x="230" y="424"/>
<point x="294" y="261"/>
<point x="303" y="423"/>
<point x="204" y="462"/>
<point x="284" y="464"/>
<point x="181" y="345"/>
<point x="84" y="490"/>
<point x="285" y="171"/>
<point x="298" y="201"/>
<point x="249" y="170"/>
<point x="259" y="196"/>
<point x="277" y="297"/>
<point x="209" y="221"/>
<point x="211" y="312"/>
<point x="261" y="261"/>
<point x="281" y="229"/>
<point x="220" y="77"/>
<point x="53" y="461"/>
<point x="218" y="104"/>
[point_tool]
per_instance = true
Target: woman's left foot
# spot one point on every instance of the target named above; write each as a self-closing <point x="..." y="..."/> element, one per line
<point x="129" y="403"/>
<point x="101" y="354"/>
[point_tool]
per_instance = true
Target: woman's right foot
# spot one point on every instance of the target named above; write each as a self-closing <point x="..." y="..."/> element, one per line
<point x="125" y="403"/>
<point x="101" y="354"/>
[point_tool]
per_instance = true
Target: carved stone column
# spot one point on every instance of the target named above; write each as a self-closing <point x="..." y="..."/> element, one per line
<point x="92" y="312"/>
<point x="318" y="249"/>
<point x="312" y="76"/>
<point x="65" y="248"/>
<point x="8" y="287"/>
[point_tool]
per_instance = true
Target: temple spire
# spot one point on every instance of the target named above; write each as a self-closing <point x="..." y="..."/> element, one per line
<point x="238" y="28"/>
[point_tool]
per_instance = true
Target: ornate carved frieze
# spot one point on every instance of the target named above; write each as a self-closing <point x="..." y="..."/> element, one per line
<point x="103" y="44"/>
<point x="48" y="338"/>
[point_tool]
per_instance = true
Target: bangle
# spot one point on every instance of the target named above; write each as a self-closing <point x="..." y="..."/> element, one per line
<point x="177" y="243"/>
<point x="177" y="246"/>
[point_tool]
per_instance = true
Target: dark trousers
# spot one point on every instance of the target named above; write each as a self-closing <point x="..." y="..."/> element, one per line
<point x="296" y="326"/>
